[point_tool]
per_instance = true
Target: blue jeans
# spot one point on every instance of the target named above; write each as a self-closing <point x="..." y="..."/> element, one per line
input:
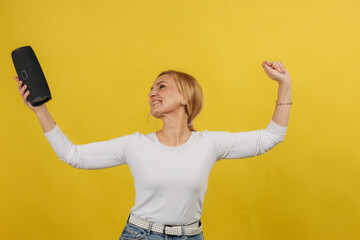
<point x="133" y="232"/>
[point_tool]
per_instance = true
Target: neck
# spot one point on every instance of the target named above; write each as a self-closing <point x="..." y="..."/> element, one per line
<point x="174" y="132"/>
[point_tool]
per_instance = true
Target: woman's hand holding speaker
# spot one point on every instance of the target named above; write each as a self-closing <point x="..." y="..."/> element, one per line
<point x="24" y="95"/>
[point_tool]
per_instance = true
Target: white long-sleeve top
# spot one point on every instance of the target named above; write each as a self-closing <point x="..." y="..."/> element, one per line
<point x="170" y="182"/>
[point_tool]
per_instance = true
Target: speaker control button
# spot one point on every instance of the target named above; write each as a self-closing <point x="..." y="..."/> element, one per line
<point x="24" y="74"/>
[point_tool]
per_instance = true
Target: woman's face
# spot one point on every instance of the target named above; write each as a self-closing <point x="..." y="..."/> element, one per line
<point x="165" y="91"/>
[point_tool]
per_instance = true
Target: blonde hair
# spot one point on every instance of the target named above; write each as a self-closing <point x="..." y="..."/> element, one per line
<point x="191" y="90"/>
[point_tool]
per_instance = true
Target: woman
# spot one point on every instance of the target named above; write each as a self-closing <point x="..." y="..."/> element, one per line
<point x="171" y="167"/>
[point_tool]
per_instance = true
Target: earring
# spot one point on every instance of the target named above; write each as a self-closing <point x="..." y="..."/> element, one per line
<point x="183" y="102"/>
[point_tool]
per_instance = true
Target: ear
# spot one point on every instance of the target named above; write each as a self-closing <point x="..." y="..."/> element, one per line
<point x="182" y="102"/>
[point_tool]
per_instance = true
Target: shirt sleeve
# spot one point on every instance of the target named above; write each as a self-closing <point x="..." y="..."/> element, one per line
<point x="94" y="155"/>
<point x="234" y="145"/>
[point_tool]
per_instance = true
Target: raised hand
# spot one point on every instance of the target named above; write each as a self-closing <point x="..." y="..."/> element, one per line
<point x="276" y="71"/>
<point x="25" y="95"/>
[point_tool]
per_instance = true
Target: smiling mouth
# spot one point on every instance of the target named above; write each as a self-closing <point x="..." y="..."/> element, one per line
<point x="157" y="102"/>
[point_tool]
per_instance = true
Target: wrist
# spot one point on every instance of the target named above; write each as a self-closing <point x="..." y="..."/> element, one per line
<point x="283" y="103"/>
<point x="284" y="83"/>
<point x="41" y="109"/>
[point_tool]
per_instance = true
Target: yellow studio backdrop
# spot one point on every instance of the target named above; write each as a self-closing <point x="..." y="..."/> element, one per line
<point x="100" y="59"/>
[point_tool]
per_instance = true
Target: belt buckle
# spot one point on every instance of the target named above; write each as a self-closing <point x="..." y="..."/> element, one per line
<point x="165" y="227"/>
<point x="178" y="227"/>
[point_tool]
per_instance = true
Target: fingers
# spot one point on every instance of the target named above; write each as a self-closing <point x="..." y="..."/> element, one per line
<point x="19" y="83"/>
<point x="279" y="66"/>
<point x="20" y="86"/>
<point x="268" y="63"/>
<point x="22" y="90"/>
<point x="26" y="96"/>
<point x="282" y="69"/>
<point x="269" y="67"/>
<point x="282" y="66"/>
<point x="274" y="71"/>
<point x="276" y="65"/>
<point x="267" y="70"/>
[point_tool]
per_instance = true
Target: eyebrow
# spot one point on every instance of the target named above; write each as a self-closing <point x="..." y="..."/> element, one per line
<point x="158" y="84"/>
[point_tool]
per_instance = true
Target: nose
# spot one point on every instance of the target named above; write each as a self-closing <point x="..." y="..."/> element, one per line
<point x="152" y="94"/>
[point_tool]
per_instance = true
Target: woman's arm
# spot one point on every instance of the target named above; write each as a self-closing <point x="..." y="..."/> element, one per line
<point x="278" y="72"/>
<point x="236" y="145"/>
<point x="94" y="155"/>
<point x="282" y="112"/>
<point x="46" y="121"/>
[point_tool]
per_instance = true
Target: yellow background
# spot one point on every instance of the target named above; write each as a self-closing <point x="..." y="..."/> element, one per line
<point x="100" y="59"/>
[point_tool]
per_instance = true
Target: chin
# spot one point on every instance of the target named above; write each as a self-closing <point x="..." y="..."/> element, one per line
<point x="154" y="114"/>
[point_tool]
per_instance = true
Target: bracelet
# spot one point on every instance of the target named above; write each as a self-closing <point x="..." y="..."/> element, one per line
<point x="290" y="103"/>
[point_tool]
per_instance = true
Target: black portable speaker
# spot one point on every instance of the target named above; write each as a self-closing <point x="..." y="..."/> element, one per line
<point x="30" y="73"/>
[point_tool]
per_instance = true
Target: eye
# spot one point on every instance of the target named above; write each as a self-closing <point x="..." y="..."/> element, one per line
<point x="162" y="86"/>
